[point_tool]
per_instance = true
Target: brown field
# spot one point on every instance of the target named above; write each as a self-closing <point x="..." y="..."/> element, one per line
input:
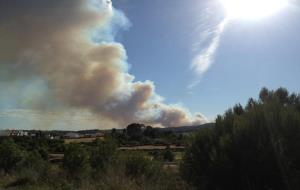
<point x="55" y="157"/>
<point x="151" y="147"/>
<point x="81" y="140"/>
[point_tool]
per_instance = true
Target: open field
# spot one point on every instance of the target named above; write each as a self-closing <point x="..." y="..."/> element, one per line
<point x="152" y="147"/>
<point x="81" y="140"/>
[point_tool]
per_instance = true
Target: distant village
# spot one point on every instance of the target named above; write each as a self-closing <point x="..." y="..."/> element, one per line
<point x="57" y="134"/>
<point x="53" y="135"/>
<point x="134" y="134"/>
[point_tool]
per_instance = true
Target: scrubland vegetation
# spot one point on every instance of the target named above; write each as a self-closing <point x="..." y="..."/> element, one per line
<point x="255" y="147"/>
<point x="96" y="166"/>
<point x="252" y="147"/>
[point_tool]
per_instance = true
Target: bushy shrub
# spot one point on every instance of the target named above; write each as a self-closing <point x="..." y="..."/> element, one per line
<point x="256" y="147"/>
<point x="168" y="155"/>
<point x="103" y="154"/>
<point x="138" y="165"/>
<point x="10" y="155"/>
<point x="75" y="159"/>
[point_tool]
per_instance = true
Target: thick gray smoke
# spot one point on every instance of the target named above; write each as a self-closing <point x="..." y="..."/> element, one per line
<point x="48" y="44"/>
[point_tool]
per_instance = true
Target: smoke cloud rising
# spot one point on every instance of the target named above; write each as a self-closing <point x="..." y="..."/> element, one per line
<point x="58" y="56"/>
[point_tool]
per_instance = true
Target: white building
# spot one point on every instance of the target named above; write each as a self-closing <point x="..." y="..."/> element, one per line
<point x="72" y="135"/>
<point x="18" y="133"/>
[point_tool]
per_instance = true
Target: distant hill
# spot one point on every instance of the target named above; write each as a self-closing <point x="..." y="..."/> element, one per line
<point x="182" y="129"/>
<point x="178" y="130"/>
<point x="187" y="129"/>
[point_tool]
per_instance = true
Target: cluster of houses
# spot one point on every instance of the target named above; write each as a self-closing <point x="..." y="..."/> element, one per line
<point x="25" y="133"/>
<point x="15" y="133"/>
<point x="49" y="134"/>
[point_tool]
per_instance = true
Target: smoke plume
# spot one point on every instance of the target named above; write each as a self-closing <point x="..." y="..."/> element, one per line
<point x="51" y="62"/>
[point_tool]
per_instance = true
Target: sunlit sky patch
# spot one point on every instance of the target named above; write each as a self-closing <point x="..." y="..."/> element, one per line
<point x="257" y="49"/>
<point x="252" y="9"/>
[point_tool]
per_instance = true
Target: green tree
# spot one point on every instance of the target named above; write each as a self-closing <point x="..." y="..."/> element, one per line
<point x="256" y="147"/>
<point x="75" y="159"/>
<point x="151" y="132"/>
<point x="138" y="165"/>
<point x="114" y="133"/>
<point x="168" y="155"/>
<point x="103" y="154"/>
<point x="10" y="155"/>
<point x="134" y="131"/>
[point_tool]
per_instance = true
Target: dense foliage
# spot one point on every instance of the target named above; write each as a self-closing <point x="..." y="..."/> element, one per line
<point x="11" y="155"/>
<point x="97" y="165"/>
<point x="252" y="147"/>
<point x="139" y="134"/>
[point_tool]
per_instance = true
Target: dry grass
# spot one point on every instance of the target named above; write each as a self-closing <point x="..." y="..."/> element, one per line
<point x="151" y="147"/>
<point x="81" y="140"/>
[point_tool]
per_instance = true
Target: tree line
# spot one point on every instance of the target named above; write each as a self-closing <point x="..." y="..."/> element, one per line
<point x="252" y="147"/>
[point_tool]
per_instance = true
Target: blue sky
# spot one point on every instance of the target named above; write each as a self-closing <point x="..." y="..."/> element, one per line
<point x="74" y="80"/>
<point x="252" y="53"/>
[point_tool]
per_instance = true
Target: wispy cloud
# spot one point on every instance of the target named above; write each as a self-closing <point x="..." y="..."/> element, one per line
<point x="205" y="58"/>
